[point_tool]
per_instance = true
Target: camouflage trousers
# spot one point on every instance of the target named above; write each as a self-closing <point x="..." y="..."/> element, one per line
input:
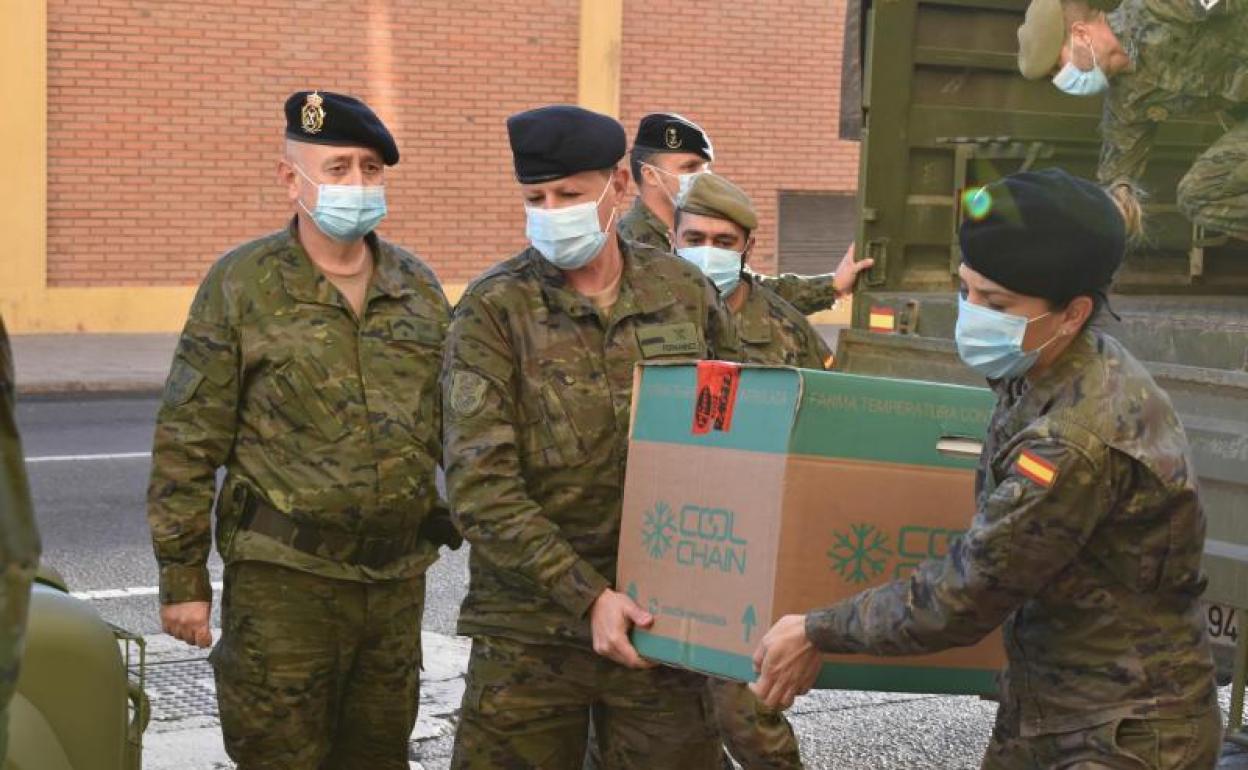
<point x="316" y="673"/>
<point x="755" y="736"/>
<point x="1125" y="744"/>
<point x="15" y="583"/>
<point x="527" y="707"/>
<point x="1214" y="192"/>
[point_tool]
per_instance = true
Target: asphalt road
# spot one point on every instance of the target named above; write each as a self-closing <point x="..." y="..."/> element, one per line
<point x="88" y="469"/>
<point x="88" y="465"/>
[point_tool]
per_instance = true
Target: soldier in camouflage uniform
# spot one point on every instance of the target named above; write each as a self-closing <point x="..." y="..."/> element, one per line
<point x="19" y="541"/>
<point x="308" y="370"/>
<point x="1089" y="531"/>
<point x="1159" y="60"/>
<point x="668" y="152"/>
<point x="538" y="386"/>
<point x="714" y="226"/>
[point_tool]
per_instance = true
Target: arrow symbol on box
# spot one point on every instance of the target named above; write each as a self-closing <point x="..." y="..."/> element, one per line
<point x="749" y="620"/>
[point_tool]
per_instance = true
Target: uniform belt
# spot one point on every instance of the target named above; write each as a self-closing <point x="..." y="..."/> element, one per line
<point x="366" y="551"/>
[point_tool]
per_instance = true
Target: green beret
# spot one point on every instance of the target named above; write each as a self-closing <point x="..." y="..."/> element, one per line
<point x="1040" y="38"/>
<point x="712" y="195"/>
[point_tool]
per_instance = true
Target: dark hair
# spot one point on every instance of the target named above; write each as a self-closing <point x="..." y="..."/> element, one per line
<point x="636" y="157"/>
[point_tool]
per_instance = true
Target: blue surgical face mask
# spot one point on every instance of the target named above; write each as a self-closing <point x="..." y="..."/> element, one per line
<point x="1076" y="82"/>
<point x="722" y="266"/>
<point x="991" y="342"/>
<point x="346" y="212"/>
<point x="569" y="237"/>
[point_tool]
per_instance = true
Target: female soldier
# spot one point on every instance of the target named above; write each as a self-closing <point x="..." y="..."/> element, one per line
<point x="1088" y="535"/>
<point x="537" y="384"/>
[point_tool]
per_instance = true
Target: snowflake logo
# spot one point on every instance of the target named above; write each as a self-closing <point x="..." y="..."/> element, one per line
<point x="860" y="555"/>
<point x="658" y="529"/>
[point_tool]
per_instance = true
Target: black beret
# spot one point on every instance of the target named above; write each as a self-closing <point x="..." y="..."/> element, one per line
<point x="1043" y="234"/>
<point x="668" y="132"/>
<point x="322" y="117"/>
<point x="561" y="140"/>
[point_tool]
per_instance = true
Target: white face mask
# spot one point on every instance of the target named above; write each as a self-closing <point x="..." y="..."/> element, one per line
<point x="722" y="266"/>
<point x="569" y="237"/>
<point x="683" y="181"/>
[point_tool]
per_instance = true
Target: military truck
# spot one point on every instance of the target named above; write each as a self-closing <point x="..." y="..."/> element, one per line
<point x="80" y="702"/>
<point x="944" y="110"/>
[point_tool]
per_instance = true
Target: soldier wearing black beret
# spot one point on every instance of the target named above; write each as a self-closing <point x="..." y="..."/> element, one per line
<point x="307" y="371"/>
<point x="668" y="152"/>
<point x="537" y="383"/>
<point x="1087" y="541"/>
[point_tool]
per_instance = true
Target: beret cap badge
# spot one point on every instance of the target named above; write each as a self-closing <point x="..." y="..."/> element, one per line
<point x="671" y="137"/>
<point x="312" y="116"/>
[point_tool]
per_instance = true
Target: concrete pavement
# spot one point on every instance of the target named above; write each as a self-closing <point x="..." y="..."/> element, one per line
<point x="94" y="363"/>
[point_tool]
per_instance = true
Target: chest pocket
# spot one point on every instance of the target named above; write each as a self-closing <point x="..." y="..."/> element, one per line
<point x="294" y="402"/>
<point x="676" y="340"/>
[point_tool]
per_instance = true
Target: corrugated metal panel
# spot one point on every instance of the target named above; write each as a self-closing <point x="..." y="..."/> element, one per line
<point x="815" y="230"/>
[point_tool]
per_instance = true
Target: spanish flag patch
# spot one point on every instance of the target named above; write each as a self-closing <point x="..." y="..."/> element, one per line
<point x="1036" y="468"/>
<point x="882" y="319"/>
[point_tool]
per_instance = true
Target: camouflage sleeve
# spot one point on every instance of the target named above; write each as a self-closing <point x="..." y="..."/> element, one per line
<point x="1193" y="11"/>
<point x="194" y="434"/>
<point x="438" y="528"/>
<point x="19" y="539"/>
<point x="808" y="293"/>
<point x="490" y="502"/>
<point x="1033" y="524"/>
<point x="1126" y="138"/>
<point x="817" y="354"/>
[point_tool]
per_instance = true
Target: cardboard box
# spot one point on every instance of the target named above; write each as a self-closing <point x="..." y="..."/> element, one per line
<point x="755" y="492"/>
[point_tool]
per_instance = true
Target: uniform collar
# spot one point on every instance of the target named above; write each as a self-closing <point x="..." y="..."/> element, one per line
<point x="752" y="318"/>
<point x="1059" y="375"/>
<point x="651" y="220"/>
<point x="305" y="283"/>
<point x="639" y="292"/>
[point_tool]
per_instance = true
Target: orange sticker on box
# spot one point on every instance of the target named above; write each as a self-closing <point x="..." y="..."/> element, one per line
<point x="1036" y="468"/>
<point x="882" y="319"/>
<point x="715" y="396"/>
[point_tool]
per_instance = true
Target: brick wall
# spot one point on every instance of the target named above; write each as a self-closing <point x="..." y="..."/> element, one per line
<point x="165" y="122"/>
<point x="164" y="116"/>
<point x="763" y="79"/>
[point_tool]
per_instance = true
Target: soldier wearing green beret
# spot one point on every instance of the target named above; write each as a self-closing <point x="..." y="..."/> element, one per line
<point x="19" y="541"/>
<point x="715" y="224"/>
<point x="1155" y="61"/>
<point x="715" y="227"/>
<point x="538" y="386"/>
<point x="308" y="370"/>
<point x="668" y="152"/>
<point x="1088" y="532"/>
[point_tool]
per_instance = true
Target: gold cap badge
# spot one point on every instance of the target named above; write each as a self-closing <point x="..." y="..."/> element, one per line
<point x="672" y="138"/>
<point x="313" y="114"/>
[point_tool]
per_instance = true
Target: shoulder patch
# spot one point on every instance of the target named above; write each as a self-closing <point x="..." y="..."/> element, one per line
<point x="1036" y="468"/>
<point x="467" y="392"/>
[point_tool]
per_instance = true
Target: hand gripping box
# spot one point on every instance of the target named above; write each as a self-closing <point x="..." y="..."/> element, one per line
<point x="755" y="492"/>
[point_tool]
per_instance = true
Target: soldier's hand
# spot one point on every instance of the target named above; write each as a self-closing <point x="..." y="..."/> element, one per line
<point x="188" y="621"/>
<point x="847" y="272"/>
<point x="786" y="662"/>
<point x="610" y="618"/>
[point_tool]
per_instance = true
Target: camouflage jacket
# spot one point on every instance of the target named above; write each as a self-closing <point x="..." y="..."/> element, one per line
<point x="328" y="418"/>
<point x="1087" y="543"/>
<point x="808" y="293"/>
<point x="773" y="332"/>
<point x="1187" y="61"/>
<point x="19" y="540"/>
<point x="538" y="388"/>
